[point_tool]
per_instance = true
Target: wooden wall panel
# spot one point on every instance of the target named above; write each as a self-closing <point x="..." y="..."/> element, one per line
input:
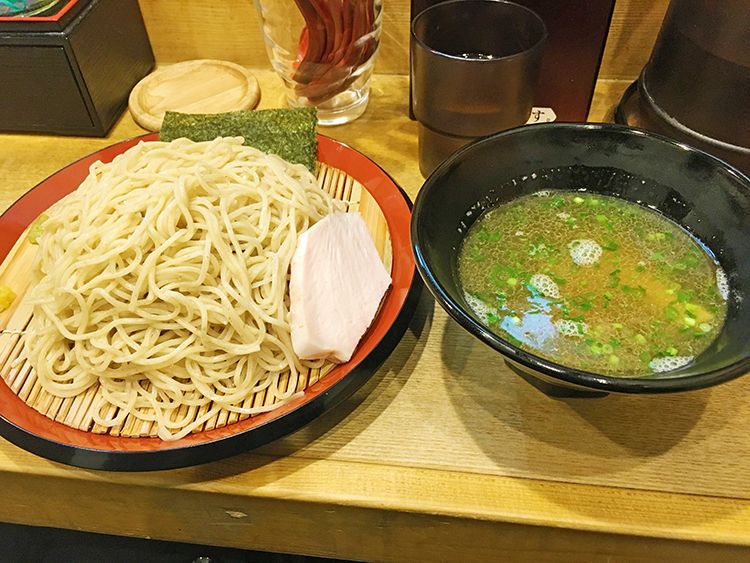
<point x="189" y="29"/>
<point x="635" y="25"/>
<point x="192" y="29"/>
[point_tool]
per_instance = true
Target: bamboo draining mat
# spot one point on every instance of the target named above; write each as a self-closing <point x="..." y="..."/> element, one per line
<point x="78" y="412"/>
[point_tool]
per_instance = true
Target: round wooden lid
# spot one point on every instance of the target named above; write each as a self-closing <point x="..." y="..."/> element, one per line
<point x="199" y="86"/>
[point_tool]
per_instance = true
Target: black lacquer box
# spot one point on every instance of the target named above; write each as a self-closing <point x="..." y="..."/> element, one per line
<point x="70" y="70"/>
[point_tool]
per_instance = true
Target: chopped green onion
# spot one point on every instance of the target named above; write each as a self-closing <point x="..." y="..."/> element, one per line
<point x="683" y="296"/>
<point x="513" y="340"/>
<point x="637" y="292"/>
<point x="691" y="308"/>
<point x="37" y="228"/>
<point x="488" y="237"/>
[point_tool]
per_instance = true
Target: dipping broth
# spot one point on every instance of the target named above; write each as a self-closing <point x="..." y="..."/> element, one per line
<point x="593" y="282"/>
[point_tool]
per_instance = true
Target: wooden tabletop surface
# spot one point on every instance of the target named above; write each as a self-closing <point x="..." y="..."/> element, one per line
<point x="443" y="455"/>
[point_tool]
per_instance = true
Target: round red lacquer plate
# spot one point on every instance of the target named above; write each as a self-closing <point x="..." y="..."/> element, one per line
<point x="34" y="432"/>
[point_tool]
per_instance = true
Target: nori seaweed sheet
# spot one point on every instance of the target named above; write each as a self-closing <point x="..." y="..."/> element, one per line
<point x="289" y="133"/>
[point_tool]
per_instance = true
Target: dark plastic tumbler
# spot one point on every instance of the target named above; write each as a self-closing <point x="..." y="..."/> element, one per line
<point x="474" y="68"/>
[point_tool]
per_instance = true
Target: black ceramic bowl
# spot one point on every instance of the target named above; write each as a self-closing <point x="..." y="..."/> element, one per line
<point x="703" y="194"/>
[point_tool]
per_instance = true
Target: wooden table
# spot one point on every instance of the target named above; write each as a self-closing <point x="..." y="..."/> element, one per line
<point x="444" y="455"/>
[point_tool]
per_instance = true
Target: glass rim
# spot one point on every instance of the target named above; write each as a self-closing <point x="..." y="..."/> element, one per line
<point x="512" y="5"/>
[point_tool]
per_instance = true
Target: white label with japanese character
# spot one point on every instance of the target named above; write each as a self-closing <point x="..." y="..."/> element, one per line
<point x="541" y="115"/>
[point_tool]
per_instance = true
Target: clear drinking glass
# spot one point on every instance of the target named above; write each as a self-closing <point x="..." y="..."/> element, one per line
<point x="324" y="50"/>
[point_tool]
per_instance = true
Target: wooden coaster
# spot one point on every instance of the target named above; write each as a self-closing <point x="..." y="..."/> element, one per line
<point x="200" y="86"/>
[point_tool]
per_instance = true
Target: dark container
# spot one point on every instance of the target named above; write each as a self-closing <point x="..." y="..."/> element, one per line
<point x="699" y="70"/>
<point x="71" y="72"/>
<point x="474" y="70"/>
<point x="475" y="65"/>
<point x="695" y="87"/>
<point x="577" y="33"/>
<point x="699" y="192"/>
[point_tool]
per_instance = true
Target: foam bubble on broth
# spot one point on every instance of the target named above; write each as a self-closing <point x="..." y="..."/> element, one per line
<point x="546" y="285"/>
<point x="482" y="310"/>
<point x="566" y="327"/>
<point x="669" y="363"/>
<point x="722" y="284"/>
<point x="585" y="252"/>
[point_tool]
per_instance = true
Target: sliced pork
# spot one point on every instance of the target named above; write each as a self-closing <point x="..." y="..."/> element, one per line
<point x="337" y="283"/>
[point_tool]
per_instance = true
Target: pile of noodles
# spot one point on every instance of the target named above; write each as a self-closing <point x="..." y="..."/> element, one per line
<point x="164" y="279"/>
